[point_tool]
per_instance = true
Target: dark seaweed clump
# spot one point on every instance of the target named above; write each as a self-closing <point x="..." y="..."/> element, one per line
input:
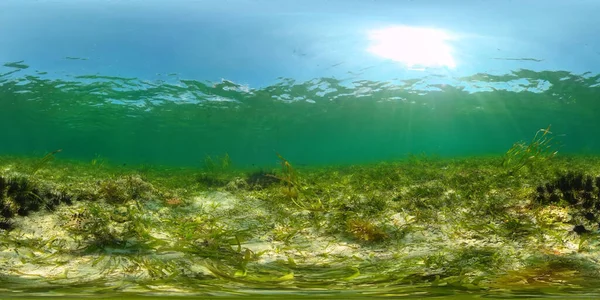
<point x="20" y="196"/>
<point x="577" y="190"/>
<point x="261" y="179"/>
<point x="210" y="181"/>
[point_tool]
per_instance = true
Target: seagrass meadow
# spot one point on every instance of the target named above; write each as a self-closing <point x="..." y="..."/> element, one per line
<point x="299" y="149"/>
<point x="420" y="227"/>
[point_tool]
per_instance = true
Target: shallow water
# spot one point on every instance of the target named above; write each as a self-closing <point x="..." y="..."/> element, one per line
<point x="373" y="148"/>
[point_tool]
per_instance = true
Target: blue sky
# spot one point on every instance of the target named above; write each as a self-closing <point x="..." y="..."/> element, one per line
<point x="255" y="42"/>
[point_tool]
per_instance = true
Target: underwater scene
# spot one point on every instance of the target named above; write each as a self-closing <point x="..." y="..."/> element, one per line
<point x="322" y="149"/>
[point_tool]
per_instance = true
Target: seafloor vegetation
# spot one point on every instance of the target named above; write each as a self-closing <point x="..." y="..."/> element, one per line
<point x="523" y="223"/>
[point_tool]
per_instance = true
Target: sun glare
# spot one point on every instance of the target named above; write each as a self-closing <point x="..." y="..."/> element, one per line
<point x="416" y="47"/>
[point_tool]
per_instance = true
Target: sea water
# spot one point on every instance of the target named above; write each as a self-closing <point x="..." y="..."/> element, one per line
<point x="306" y="148"/>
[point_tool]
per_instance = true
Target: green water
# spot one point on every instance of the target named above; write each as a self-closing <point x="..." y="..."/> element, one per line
<point x="319" y="122"/>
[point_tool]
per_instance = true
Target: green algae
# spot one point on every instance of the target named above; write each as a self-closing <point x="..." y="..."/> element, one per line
<point x="424" y="225"/>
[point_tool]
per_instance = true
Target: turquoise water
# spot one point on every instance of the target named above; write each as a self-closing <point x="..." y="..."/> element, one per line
<point x="329" y="121"/>
<point x="324" y="84"/>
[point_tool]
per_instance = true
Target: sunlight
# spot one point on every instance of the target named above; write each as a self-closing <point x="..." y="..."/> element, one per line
<point x="416" y="47"/>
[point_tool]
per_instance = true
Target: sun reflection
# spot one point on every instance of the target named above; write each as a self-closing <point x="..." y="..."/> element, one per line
<point x="416" y="47"/>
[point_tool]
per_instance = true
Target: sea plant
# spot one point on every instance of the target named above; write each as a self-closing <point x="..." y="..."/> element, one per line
<point x="365" y="230"/>
<point x="125" y="188"/>
<point x="98" y="161"/>
<point x="292" y="186"/>
<point x="100" y="226"/>
<point x="217" y="164"/>
<point x="44" y="160"/>
<point x="454" y="225"/>
<point x="540" y="149"/>
<point x="215" y="169"/>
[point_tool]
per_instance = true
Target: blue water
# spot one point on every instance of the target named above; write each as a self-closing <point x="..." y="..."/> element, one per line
<point x="256" y="42"/>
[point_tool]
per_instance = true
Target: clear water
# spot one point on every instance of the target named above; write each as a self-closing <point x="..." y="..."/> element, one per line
<point x="334" y="83"/>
